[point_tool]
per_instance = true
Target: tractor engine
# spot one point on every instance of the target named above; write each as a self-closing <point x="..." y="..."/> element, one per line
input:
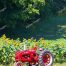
<point x="27" y="56"/>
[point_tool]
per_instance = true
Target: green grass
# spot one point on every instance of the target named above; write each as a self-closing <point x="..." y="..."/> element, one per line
<point x="57" y="64"/>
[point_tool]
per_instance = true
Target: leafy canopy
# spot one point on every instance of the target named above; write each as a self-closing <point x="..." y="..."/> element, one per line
<point x="19" y="11"/>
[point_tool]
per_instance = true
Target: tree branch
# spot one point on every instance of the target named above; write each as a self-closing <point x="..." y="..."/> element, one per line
<point x="2" y="10"/>
<point x="61" y="11"/>
<point x="32" y="23"/>
<point x="3" y="27"/>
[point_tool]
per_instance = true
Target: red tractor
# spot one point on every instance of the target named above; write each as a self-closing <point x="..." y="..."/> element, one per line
<point x="32" y="57"/>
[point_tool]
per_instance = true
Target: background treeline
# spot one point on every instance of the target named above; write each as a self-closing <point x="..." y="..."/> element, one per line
<point x="20" y="13"/>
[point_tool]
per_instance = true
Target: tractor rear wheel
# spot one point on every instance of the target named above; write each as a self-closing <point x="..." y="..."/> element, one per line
<point x="46" y="58"/>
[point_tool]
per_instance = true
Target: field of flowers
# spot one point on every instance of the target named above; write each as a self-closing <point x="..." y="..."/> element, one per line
<point x="8" y="47"/>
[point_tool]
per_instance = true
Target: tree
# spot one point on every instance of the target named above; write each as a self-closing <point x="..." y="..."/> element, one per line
<point x="52" y="7"/>
<point x="24" y="12"/>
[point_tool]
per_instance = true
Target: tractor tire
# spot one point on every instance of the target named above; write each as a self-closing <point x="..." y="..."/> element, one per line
<point x="19" y="63"/>
<point x="46" y="58"/>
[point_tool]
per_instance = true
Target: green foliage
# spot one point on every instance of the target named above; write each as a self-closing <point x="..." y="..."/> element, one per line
<point x="8" y="47"/>
<point x="58" y="48"/>
<point x="19" y="11"/>
<point x="24" y="12"/>
<point x="52" y="7"/>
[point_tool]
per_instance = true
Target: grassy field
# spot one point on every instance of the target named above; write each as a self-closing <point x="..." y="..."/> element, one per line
<point x="57" y="64"/>
<point x="64" y="64"/>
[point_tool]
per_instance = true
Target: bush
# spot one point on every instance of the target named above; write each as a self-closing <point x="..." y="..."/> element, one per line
<point x="8" y="47"/>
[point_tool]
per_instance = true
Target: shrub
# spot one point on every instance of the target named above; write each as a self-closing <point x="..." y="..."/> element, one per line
<point x="8" y="47"/>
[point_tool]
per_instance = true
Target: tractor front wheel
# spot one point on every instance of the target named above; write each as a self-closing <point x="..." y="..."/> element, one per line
<point x="46" y="58"/>
<point x="19" y="63"/>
